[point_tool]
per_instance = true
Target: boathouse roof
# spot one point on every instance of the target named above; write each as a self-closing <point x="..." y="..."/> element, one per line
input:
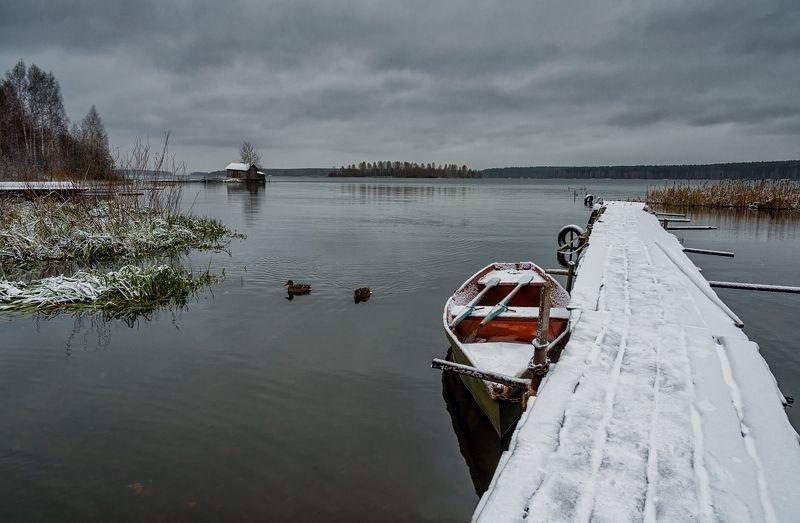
<point x="238" y="166"/>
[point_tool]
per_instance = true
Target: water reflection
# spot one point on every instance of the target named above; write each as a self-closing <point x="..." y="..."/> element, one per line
<point x="404" y="192"/>
<point x="744" y="223"/>
<point x="100" y="323"/>
<point x="93" y="330"/>
<point x="249" y="195"/>
<point x="477" y="440"/>
<point x="89" y="326"/>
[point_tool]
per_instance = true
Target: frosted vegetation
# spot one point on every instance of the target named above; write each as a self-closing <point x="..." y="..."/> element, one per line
<point x="89" y="232"/>
<point x="128" y="289"/>
<point x="127" y="221"/>
<point x="46" y="229"/>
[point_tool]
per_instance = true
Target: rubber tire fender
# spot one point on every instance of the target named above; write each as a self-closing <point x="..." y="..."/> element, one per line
<point x="571" y="228"/>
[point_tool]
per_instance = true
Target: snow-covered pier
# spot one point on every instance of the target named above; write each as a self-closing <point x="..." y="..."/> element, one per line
<point x="30" y="187"/>
<point x="660" y="408"/>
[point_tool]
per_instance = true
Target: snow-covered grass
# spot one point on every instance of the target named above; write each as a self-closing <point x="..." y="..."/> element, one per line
<point x="46" y="229"/>
<point x="761" y="194"/>
<point x="128" y="289"/>
<point x="46" y="236"/>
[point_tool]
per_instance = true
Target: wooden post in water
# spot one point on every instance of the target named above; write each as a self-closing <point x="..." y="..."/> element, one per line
<point x="544" y="315"/>
<point x="539" y="364"/>
<point x="570" y="275"/>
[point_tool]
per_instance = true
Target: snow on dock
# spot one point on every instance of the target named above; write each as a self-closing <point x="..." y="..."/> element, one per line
<point x="660" y="407"/>
<point x="7" y="187"/>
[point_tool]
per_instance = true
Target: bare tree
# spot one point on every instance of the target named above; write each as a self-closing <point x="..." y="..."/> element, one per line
<point x="17" y="80"/>
<point x="33" y="123"/>
<point x="96" y="161"/>
<point x="248" y="154"/>
<point x="93" y="132"/>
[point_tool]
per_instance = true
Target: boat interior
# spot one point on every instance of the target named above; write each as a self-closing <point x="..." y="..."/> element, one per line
<point x="518" y="322"/>
<point x="516" y="330"/>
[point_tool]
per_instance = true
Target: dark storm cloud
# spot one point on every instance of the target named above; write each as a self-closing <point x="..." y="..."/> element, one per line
<point x="486" y="83"/>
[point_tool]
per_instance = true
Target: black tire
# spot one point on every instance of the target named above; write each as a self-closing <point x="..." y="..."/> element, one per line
<point x="569" y="233"/>
<point x="561" y="258"/>
<point x="588" y="200"/>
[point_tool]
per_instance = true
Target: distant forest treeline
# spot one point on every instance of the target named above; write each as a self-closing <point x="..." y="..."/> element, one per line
<point x="405" y="170"/>
<point x="36" y="137"/>
<point x="720" y="171"/>
<point x="717" y="171"/>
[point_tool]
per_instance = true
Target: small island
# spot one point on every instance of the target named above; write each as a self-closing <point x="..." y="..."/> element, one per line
<point x="403" y="170"/>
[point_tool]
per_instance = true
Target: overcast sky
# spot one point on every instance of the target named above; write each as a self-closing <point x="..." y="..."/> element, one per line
<point x="486" y="83"/>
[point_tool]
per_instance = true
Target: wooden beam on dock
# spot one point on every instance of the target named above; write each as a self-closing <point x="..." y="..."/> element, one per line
<point x="692" y="228"/>
<point x="679" y="215"/>
<point x="708" y="251"/>
<point x="670" y="219"/>
<point x="494" y="377"/>
<point x="754" y="286"/>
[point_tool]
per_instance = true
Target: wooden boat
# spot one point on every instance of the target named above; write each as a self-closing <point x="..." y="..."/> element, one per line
<point x="491" y="322"/>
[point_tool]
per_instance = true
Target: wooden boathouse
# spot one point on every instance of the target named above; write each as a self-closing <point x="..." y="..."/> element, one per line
<point x="660" y="407"/>
<point x="245" y="171"/>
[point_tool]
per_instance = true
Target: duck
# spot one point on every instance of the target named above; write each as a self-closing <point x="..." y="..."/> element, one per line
<point x="362" y="294"/>
<point x="297" y="288"/>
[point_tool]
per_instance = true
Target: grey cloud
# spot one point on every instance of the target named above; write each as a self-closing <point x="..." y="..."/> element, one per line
<point x="485" y="83"/>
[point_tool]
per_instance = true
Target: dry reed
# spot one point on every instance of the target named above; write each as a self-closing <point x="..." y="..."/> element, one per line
<point x="761" y="194"/>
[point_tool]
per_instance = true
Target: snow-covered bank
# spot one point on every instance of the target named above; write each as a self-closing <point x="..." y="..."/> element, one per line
<point x="660" y="407"/>
<point x="129" y="288"/>
<point x="46" y="229"/>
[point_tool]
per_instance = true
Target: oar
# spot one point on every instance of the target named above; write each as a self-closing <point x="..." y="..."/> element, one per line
<point x="492" y="282"/>
<point x="503" y="305"/>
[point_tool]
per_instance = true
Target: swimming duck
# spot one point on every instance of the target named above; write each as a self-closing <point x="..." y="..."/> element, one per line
<point x="297" y="288"/>
<point x="362" y="294"/>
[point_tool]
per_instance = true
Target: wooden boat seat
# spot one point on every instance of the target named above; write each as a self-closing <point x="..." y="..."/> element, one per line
<point x="507" y="358"/>
<point x="512" y="312"/>
<point x="511" y="276"/>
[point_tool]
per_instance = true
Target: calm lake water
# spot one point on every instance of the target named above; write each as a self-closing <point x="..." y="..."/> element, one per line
<point x="249" y="406"/>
